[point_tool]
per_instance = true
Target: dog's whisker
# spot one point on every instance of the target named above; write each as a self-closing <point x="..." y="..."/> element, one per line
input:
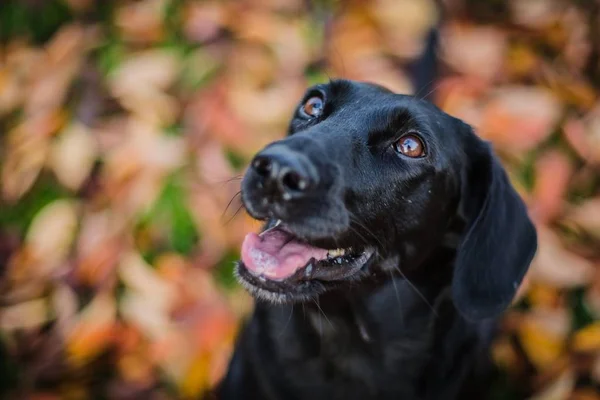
<point x="415" y="96"/>
<point x="360" y="224"/>
<point x="233" y="178"/>
<point x="397" y="296"/>
<point x="433" y="90"/>
<point x="288" y="321"/>
<point x="320" y="321"/>
<point x="234" y="214"/>
<point x="230" y="202"/>
<point x="224" y="182"/>
<point x="417" y="291"/>
<point x="316" y="301"/>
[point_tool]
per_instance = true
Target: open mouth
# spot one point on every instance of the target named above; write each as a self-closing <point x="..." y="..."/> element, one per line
<point x="278" y="256"/>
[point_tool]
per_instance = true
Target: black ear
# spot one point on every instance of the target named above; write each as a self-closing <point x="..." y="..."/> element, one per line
<point x="499" y="242"/>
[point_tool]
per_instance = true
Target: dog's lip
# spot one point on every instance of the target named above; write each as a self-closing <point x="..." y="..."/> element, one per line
<point x="298" y="287"/>
<point x="277" y="255"/>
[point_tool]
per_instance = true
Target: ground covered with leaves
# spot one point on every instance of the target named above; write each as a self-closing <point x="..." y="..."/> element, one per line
<point x="124" y="129"/>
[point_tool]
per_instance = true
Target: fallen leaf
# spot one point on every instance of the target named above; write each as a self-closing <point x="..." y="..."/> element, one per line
<point x="93" y="331"/>
<point x="27" y="315"/>
<point x="65" y="307"/>
<point x="51" y="233"/>
<point x="518" y="118"/>
<point x="140" y="277"/>
<point x="99" y="245"/>
<point x="542" y="335"/>
<point x="203" y="21"/>
<point x="553" y="171"/>
<point x="477" y="51"/>
<point x="586" y="216"/>
<point x="141" y="22"/>
<point x="543" y="296"/>
<point x="554" y="265"/>
<point x="196" y="376"/>
<point x="53" y="76"/>
<point x="560" y="389"/>
<point x="25" y="155"/>
<point x="596" y="369"/>
<point x="135" y="368"/>
<point x="140" y="84"/>
<point x="535" y="13"/>
<point x="157" y="69"/>
<point x="587" y="339"/>
<point x="584" y="136"/>
<point x="405" y="24"/>
<point x="72" y="155"/>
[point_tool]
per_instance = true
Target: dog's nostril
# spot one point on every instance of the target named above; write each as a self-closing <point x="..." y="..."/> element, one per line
<point x="262" y="165"/>
<point x="294" y="181"/>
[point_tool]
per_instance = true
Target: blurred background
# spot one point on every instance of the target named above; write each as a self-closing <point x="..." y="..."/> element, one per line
<point x="126" y="125"/>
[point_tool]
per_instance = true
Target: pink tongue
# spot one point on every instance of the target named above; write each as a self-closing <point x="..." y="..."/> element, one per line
<point x="276" y="255"/>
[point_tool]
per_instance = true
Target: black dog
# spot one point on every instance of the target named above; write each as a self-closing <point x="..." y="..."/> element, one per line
<point x="393" y="240"/>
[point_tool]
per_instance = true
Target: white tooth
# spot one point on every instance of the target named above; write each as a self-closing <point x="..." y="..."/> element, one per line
<point x="277" y="223"/>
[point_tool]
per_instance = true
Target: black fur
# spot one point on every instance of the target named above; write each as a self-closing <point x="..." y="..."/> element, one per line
<point x="452" y="241"/>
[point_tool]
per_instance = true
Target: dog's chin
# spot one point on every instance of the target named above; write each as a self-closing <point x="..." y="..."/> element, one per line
<point x="279" y="267"/>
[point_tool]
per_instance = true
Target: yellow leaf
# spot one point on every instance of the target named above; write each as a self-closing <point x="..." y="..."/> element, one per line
<point x="51" y="234"/>
<point x="64" y="302"/>
<point x="543" y="296"/>
<point x="72" y="155"/>
<point x="542" y="336"/>
<point x="504" y="354"/>
<point x="142" y="279"/>
<point x="25" y="157"/>
<point x="26" y="315"/>
<point x="587" y="339"/>
<point x="196" y="378"/>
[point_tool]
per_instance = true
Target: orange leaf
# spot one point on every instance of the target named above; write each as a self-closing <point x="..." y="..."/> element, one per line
<point x="553" y="171"/>
<point x="477" y="51"/>
<point x="554" y="265"/>
<point x="518" y="118"/>
<point x="94" y="331"/>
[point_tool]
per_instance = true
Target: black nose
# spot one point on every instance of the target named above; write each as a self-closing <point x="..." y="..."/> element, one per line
<point x="284" y="172"/>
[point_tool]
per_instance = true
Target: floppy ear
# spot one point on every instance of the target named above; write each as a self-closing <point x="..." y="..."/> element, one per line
<point x="499" y="242"/>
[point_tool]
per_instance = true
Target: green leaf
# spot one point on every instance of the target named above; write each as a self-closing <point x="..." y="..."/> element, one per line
<point x="582" y="315"/>
<point x="224" y="271"/>
<point x="110" y="55"/>
<point x="39" y="20"/>
<point x="527" y="170"/>
<point x="169" y="221"/>
<point x="235" y="160"/>
<point x="9" y="372"/>
<point x="199" y="68"/>
<point x="20" y="214"/>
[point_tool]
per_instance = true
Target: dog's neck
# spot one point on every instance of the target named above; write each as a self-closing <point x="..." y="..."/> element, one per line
<point x="426" y="287"/>
<point x="387" y="325"/>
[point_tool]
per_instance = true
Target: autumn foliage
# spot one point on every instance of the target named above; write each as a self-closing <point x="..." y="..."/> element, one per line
<point x="126" y="125"/>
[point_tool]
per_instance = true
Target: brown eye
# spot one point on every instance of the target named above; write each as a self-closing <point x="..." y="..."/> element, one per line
<point x="410" y="146"/>
<point x="313" y="107"/>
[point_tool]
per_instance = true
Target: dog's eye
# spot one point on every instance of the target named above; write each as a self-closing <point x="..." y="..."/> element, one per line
<point x="410" y="146"/>
<point x="313" y="107"/>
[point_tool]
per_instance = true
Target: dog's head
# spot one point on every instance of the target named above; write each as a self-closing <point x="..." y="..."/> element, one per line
<point x="369" y="182"/>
